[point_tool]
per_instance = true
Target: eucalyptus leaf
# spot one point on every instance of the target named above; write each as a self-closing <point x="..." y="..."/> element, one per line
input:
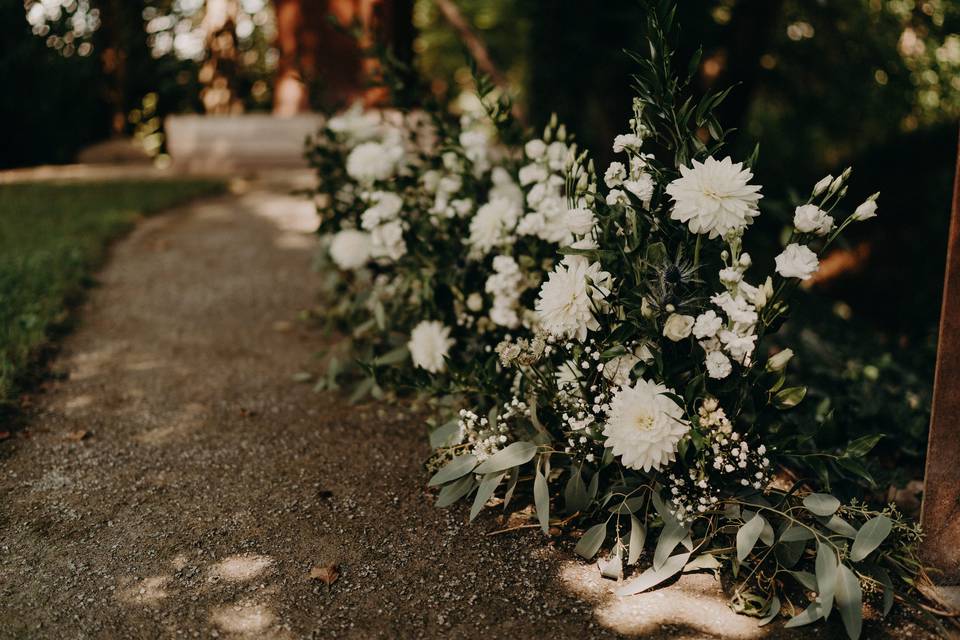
<point x="671" y="535"/>
<point x="821" y="504"/>
<point x="395" y="356"/>
<point x="455" y="490"/>
<point x="805" y="617"/>
<point x="638" y="535"/>
<point x="870" y="536"/>
<point x="511" y="486"/>
<point x="575" y="493"/>
<point x="827" y="573"/>
<point x="796" y="533"/>
<point x="748" y="535"/>
<point x="702" y="561"/>
<point x="513" y="455"/>
<point x="806" y="579"/>
<point x="652" y="577"/>
<point x="590" y="543"/>
<point x="445" y="434"/>
<point x="541" y="500"/>
<point x="838" y="525"/>
<point x="456" y="468"/>
<point x="488" y="485"/>
<point x="772" y="612"/>
<point x="849" y="600"/>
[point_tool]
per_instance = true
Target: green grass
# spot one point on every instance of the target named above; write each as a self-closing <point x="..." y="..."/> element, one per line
<point x="52" y="237"/>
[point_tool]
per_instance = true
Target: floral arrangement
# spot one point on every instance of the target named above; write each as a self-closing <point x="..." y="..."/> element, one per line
<point x="597" y="342"/>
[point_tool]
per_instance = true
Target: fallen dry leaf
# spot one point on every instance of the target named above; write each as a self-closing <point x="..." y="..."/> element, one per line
<point x="327" y="574"/>
<point x="4" y="435"/>
<point x="282" y="325"/>
<point x="78" y="435"/>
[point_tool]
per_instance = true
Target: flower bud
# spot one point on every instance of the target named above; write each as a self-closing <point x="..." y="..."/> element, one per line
<point x="822" y="186"/>
<point x="779" y="360"/>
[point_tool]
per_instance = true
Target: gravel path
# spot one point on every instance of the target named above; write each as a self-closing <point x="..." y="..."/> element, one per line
<point x="177" y="483"/>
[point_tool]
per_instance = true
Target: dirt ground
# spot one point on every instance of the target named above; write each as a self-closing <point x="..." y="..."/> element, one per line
<point x="177" y="482"/>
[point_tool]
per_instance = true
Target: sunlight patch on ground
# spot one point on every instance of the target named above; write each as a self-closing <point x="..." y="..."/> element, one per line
<point x="693" y="604"/>
<point x="242" y="618"/>
<point x="147" y="591"/>
<point x="239" y="568"/>
<point x="184" y="421"/>
<point x="294" y="217"/>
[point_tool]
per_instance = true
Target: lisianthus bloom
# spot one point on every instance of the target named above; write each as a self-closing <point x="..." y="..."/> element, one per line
<point x="714" y="197"/>
<point x="429" y="343"/>
<point x="567" y="299"/>
<point x="866" y="210"/>
<point x="797" y="261"/>
<point x="350" y="249"/>
<point x="678" y="326"/>
<point x="644" y="426"/>
<point x="810" y="218"/>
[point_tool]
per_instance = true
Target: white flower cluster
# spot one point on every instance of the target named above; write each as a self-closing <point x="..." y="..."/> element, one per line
<point x="505" y="285"/>
<point x="544" y="177"/>
<point x="382" y="219"/>
<point x="482" y="438"/>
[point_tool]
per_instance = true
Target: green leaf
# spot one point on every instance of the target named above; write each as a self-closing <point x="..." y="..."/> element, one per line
<point x="806" y="579"/>
<point x="392" y="357"/>
<point x="789" y="397"/>
<point x="873" y="532"/>
<point x="702" y="561"/>
<point x="821" y="504"/>
<point x="805" y="617"/>
<point x="748" y="535"/>
<point x="826" y="567"/>
<point x="575" y="493"/>
<point x="838" y="525"/>
<point x="772" y="612"/>
<point x="638" y="535"/>
<point x="514" y="455"/>
<point x="488" y="485"/>
<point x="795" y="533"/>
<point x="672" y="534"/>
<point x="455" y="490"/>
<point x="456" y="468"/>
<point x="511" y="486"/>
<point x="652" y="577"/>
<point x="888" y="591"/>
<point x="862" y="445"/>
<point x="444" y="435"/>
<point x="849" y="600"/>
<point x="541" y="500"/>
<point x="590" y="543"/>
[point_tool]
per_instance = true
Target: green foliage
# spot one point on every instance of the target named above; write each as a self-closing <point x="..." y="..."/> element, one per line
<point x="52" y="237"/>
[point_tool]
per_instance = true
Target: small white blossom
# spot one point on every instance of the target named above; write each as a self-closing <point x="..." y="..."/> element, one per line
<point x="677" y="327"/>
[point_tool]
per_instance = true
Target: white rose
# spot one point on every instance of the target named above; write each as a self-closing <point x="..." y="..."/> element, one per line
<point x="580" y="221"/>
<point x="797" y="261"/>
<point x="678" y="327"/>
<point x="350" y="249"/>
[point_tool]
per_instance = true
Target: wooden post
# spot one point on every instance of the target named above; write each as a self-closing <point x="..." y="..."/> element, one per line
<point x="941" y="500"/>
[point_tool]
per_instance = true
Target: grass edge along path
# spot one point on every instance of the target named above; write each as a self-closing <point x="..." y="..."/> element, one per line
<point x="53" y="237"/>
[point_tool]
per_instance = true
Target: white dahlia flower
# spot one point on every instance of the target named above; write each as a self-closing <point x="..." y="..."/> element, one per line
<point x="350" y="249"/>
<point x="429" y="343"/>
<point x="797" y="261"/>
<point x="644" y="426"/>
<point x="713" y="197"/>
<point x="567" y="299"/>
<point x="372" y="161"/>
